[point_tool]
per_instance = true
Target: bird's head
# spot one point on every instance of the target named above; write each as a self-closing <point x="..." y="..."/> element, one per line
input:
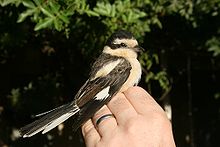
<point x="122" y="42"/>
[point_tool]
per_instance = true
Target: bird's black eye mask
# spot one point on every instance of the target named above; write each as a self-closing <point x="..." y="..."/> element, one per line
<point x="115" y="46"/>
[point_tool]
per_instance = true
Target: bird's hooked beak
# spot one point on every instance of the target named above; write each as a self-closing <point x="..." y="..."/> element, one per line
<point x="139" y="48"/>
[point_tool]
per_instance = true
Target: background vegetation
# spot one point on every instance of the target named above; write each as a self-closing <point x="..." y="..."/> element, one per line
<point x="47" y="47"/>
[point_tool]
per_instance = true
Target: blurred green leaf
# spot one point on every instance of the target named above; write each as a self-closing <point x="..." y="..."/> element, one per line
<point x="57" y="24"/>
<point x="217" y="95"/>
<point x="44" y="23"/>
<point x="103" y="9"/>
<point x="29" y="86"/>
<point x="37" y="2"/>
<point x="149" y="76"/>
<point x="25" y="14"/>
<point x="4" y="3"/>
<point x="64" y="18"/>
<point x="28" y="4"/>
<point x="163" y="80"/>
<point x="55" y="7"/>
<point x="14" y="96"/>
<point x="213" y="45"/>
<point x="92" y="13"/>
<point x="46" y="11"/>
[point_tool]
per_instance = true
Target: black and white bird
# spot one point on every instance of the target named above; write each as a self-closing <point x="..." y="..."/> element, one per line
<point x="115" y="70"/>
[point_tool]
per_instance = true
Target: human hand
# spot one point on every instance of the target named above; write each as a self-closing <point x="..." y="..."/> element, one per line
<point x="139" y="122"/>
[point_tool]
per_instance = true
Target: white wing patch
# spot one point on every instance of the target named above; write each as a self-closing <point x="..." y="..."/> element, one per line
<point x="105" y="70"/>
<point x="102" y="94"/>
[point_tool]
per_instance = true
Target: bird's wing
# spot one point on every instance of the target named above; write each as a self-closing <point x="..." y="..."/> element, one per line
<point x="106" y="71"/>
<point x="98" y="90"/>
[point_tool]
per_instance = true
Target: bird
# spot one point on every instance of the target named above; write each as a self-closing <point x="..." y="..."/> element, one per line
<point x="115" y="70"/>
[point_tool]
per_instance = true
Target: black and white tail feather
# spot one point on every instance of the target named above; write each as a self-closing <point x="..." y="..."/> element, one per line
<point x="116" y="69"/>
<point x="50" y="120"/>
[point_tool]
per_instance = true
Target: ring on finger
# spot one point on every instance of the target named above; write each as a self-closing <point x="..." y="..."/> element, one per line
<point x="103" y="117"/>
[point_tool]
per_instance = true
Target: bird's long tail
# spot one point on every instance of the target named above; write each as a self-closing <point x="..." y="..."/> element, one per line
<point x="50" y="120"/>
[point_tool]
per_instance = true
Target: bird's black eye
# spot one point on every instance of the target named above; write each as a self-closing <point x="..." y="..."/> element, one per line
<point x="123" y="45"/>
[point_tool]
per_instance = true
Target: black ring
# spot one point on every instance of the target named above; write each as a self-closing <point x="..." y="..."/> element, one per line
<point x="103" y="117"/>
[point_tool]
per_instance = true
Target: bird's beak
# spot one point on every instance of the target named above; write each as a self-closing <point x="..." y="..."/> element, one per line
<point x="139" y="48"/>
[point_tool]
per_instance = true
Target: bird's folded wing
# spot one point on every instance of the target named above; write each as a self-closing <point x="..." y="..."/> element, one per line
<point x="112" y="80"/>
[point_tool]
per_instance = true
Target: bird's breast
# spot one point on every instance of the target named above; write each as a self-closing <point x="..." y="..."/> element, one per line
<point x="135" y="74"/>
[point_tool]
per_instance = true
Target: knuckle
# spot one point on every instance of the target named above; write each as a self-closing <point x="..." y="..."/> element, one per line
<point x="132" y="125"/>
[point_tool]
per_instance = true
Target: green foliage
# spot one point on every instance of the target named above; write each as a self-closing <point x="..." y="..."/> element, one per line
<point x="14" y="96"/>
<point x="46" y="14"/>
<point x="7" y="2"/>
<point x="120" y="14"/>
<point x="217" y="95"/>
<point x="147" y="60"/>
<point x="57" y="15"/>
<point x="213" y="45"/>
<point x="135" y="16"/>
